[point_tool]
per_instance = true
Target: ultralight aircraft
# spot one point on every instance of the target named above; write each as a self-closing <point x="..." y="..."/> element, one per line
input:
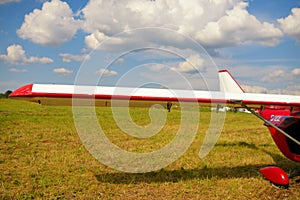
<point x="283" y="123"/>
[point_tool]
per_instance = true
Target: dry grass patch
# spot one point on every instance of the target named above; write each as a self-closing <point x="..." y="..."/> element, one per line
<point x="42" y="157"/>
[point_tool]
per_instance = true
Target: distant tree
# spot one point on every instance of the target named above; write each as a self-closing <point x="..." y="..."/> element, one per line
<point x="6" y="94"/>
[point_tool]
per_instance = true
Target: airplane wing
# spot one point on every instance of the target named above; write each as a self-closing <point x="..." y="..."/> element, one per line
<point x="284" y="129"/>
<point x="231" y="93"/>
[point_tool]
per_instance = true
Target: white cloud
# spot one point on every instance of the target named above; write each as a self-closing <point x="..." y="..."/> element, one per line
<point x="291" y="24"/>
<point x="93" y="40"/>
<point x="157" y="67"/>
<point x="16" y="55"/>
<point x="70" y="57"/>
<point x="18" y="70"/>
<point x="289" y="90"/>
<point x="106" y="72"/>
<point x="292" y="89"/>
<point x="191" y="64"/>
<point x="118" y="16"/>
<point x="279" y="75"/>
<point x="254" y="89"/>
<point x="270" y="79"/>
<point x="52" y="25"/>
<point x="237" y="26"/>
<point x="8" y="1"/>
<point x="296" y="71"/>
<point x="212" y="23"/>
<point x="62" y="71"/>
<point x="274" y="76"/>
<point x="120" y="60"/>
<point x="98" y="40"/>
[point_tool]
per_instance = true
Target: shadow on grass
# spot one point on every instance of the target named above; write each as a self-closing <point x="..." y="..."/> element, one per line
<point x="246" y="171"/>
<point x="180" y="175"/>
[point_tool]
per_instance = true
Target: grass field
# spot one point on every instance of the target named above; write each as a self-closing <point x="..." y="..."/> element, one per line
<point x="42" y="157"/>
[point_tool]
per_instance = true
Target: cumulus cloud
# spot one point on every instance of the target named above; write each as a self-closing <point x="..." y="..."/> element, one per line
<point x="125" y="15"/>
<point x="120" y="60"/>
<point x="237" y="26"/>
<point x="292" y="89"/>
<point x="106" y="72"/>
<point x="191" y="64"/>
<point x="93" y="40"/>
<point x="289" y="89"/>
<point x="52" y="25"/>
<point x="277" y="79"/>
<point x="291" y="24"/>
<point x="254" y="89"/>
<point x="212" y="23"/>
<point x="296" y="71"/>
<point x="278" y="75"/>
<point x="98" y="40"/>
<point x="62" y="71"/>
<point x="274" y="76"/>
<point x="70" y="57"/>
<point x="16" y="55"/>
<point x="157" y="67"/>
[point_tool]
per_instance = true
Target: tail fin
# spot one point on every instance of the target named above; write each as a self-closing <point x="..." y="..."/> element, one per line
<point x="228" y="83"/>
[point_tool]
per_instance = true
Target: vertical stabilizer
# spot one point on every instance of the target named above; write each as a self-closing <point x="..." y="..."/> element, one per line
<point x="228" y="83"/>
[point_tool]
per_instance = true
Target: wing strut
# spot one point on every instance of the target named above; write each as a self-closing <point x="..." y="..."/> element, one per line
<point x="272" y="125"/>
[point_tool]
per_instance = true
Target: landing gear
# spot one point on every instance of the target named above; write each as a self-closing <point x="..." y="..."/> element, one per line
<point x="284" y="131"/>
<point x="278" y="176"/>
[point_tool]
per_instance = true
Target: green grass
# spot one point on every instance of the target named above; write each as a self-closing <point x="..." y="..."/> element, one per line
<point x="42" y="157"/>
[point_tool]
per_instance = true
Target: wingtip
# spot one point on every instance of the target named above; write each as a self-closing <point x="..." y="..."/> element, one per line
<point x="25" y="90"/>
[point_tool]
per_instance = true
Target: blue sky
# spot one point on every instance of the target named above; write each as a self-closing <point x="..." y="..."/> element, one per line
<point x="110" y="43"/>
